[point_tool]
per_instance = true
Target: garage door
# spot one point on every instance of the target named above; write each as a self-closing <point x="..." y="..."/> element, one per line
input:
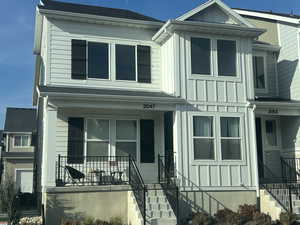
<point x="25" y="180"/>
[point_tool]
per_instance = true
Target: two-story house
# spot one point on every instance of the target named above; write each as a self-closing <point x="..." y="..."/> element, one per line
<point x="145" y="119"/>
<point x="17" y="155"/>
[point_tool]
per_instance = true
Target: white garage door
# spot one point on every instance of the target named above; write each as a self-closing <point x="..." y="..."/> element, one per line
<point x="25" y="180"/>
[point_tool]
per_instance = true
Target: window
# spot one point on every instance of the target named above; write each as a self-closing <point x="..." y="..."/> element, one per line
<point x="125" y="62"/>
<point x="271" y="132"/>
<point x="226" y="58"/>
<point x="203" y="137"/>
<point x="97" y="137"/>
<point x="230" y="138"/>
<point x="259" y="72"/>
<point x="126" y="138"/>
<point x="200" y="55"/>
<point x="97" y="60"/>
<point x="22" y="141"/>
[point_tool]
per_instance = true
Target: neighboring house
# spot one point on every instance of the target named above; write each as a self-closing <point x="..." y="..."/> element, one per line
<point x="19" y="145"/>
<point x="1" y="147"/>
<point x="115" y="89"/>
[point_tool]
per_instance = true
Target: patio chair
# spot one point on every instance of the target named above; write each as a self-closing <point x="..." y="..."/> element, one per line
<point x="74" y="174"/>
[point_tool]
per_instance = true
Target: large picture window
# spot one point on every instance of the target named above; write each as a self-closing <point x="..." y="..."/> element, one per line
<point x="126" y="138"/>
<point x="97" y="137"/>
<point x="200" y="55"/>
<point x="203" y="138"/>
<point x="259" y="72"/>
<point x="230" y="138"/>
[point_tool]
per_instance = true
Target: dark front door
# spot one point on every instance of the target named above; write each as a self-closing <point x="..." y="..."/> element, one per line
<point x="259" y="146"/>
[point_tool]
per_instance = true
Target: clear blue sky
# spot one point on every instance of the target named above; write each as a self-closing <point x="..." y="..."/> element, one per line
<point x="17" y="30"/>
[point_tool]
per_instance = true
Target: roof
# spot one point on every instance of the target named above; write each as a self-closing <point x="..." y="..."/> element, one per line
<point x="110" y="92"/>
<point x="94" y="10"/>
<point x="295" y="16"/>
<point x="20" y="120"/>
<point x="20" y="155"/>
<point x="272" y="99"/>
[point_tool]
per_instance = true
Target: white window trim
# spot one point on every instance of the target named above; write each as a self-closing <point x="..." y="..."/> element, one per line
<point x="217" y="134"/>
<point x="22" y="146"/>
<point x="266" y="89"/>
<point x="214" y="59"/>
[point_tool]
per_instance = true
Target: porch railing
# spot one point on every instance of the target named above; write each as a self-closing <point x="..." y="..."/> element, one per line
<point x="168" y="183"/>
<point x="138" y="187"/>
<point x="92" y="170"/>
<point x="290" y="169"/>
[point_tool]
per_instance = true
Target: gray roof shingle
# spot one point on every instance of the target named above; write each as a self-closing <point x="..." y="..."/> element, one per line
<point x="295" y="16"/>
<point x="94" y="10"/>
<point x="20" y="120"/>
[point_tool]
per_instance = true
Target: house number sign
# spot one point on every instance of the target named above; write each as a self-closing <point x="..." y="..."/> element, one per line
<point x="148" y="106"/>
<point x="273" y="111"/>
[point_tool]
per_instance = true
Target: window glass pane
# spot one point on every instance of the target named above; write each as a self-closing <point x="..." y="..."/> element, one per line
<point x="25" y="140"/>
<point x="95" y="148"/>
<point x="227" y="58"/>
<point x="200" y="53"/>
<point x="17" y="140"/>
<point x="271" y="132"/>
<point x="259" y="72"/>
<point x="126" y="130"/>
<point x="126" y="149"/>
<point x="203" y="126"/>
<point x="97" y="129"/>
<point x="125" y="62"/>
<point x="98" y="60"/>
<point x="204" y="148"/>
<point x="231" y="149"/>
<point x="230" y="127"/>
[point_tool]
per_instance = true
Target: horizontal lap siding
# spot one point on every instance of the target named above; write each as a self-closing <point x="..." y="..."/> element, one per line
<point x="288" y="62"/>
<point x="61" y="34"/>
<point x="61" y="135"/>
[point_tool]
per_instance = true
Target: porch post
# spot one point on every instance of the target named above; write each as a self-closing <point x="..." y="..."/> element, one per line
<point x="49" y="148"/>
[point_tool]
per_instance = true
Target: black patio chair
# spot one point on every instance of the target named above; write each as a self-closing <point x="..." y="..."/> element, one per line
<point x="74" y="174"/>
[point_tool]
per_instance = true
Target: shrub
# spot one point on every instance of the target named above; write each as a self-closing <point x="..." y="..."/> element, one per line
<point x="116" y="221"/>
<point x="202" y="218"/>
<point x="262" y="219"/>
<point x="246" y="212"/>
<point x="228" y="217"/>
<point x="287" y="218"/>
<point x="31" y="221"/>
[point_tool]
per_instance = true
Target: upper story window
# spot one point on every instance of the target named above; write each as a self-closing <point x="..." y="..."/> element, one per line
<point x="21" y="141"/>
<point x="207" y="61"/>
<point x="93" y="60"/>
<point x="259" y="72"/>
<point x="226" y="58"/>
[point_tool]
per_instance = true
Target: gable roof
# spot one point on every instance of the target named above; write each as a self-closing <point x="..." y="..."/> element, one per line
<point x="222" y="6"/>
<point x="20" y="120"/>
<point x="94" y="10"/>
<point x="285" y="17"/>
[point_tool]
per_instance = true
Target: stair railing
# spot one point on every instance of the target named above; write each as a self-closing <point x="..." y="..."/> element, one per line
<point x="138" y="187"/>
<point x="168" y="183"/>
<point x="290" y="169"/>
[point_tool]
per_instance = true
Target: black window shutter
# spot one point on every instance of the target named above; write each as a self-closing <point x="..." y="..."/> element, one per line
<point x="144" y="63"/>
<point x="147" y="141"/>
<point x="78" y="59"/>
<point x="75" y="140"/>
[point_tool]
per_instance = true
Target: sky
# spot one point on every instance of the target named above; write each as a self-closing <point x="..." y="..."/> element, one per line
<point x="17" y="34"/>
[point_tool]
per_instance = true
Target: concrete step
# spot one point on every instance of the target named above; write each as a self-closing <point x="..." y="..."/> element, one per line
<point x="155" y="193"/>
<point x="163" y="221"/>
<point x="153" y="186"/>
<point x="156" y="199"/>
<point x="160" y="214"/>
<point x="158" y="206"/>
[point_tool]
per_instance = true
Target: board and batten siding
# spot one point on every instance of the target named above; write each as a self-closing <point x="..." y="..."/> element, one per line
<point x="288" y="62"/>
<point x="214" y="96"/>
<point x="62" y="32"/>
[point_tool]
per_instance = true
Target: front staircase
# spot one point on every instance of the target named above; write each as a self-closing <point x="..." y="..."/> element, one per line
<point x="158" y="208"/>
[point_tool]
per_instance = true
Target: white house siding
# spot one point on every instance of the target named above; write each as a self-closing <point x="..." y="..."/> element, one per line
<point x="288" y="62"/>
<point x="214" y="96"/>
<point x="61" y="34"/>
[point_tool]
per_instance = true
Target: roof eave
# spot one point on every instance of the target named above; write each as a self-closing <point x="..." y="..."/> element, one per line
<point x="101" y="19"/>
<point x="38" y="32"/>
<point x="204" y="27"/>
<point x="271" y="48"/>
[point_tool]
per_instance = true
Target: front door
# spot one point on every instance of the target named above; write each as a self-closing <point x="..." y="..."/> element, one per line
<point x="259" y="146"/>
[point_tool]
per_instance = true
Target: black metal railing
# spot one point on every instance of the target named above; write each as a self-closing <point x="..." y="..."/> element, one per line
<point x="138" y="187"/>
<point x="267" y="176"/>
<point x="92" y="170"/>
<point x="290" y="169"/>
<point x="168" y="183"/>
